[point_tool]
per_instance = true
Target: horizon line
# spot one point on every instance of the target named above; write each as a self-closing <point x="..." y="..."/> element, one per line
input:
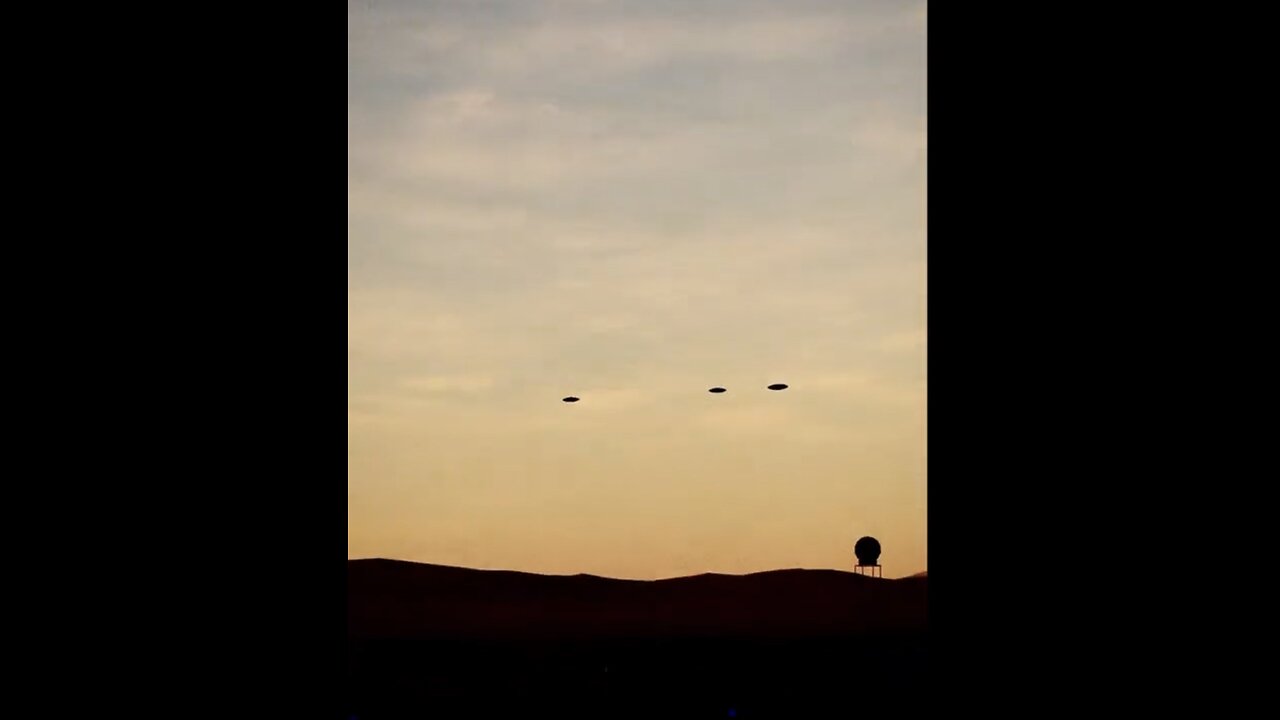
<point x="922" y="573"/>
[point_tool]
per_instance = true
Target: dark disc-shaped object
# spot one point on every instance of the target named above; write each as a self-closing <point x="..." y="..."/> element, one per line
<point x="868" y="550"/>
<point x="778" y="386"/>
<point x="716" y="390"/>
<point x="571" y="399"/>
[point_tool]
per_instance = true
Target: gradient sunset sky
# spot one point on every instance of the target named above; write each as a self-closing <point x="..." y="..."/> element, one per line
<point x="632" y="202"/>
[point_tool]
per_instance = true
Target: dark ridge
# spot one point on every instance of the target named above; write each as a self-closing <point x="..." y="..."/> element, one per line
<point x="398" y="599"/>
<point x="433" y="641"/>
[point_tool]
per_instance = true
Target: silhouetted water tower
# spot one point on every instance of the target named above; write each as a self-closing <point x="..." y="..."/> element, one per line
<point x="867" y="550"/>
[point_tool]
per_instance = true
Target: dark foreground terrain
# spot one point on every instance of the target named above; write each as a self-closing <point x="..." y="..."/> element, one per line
<point x="428" y="641"/>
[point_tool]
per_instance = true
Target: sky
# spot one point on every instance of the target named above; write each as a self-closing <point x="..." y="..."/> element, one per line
<point x="632" y="202"/>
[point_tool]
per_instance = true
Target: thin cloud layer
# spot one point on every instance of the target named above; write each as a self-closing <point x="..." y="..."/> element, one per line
<point x="632" y="202"/>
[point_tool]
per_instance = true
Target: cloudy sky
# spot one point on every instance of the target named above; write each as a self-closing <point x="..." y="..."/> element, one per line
<point x="632" y="202"/>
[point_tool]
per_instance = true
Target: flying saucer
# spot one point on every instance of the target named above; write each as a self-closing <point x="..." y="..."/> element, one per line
<point x="716" y="390"/>
<point x="571" y="399"/>
<point x="778" y="386"/>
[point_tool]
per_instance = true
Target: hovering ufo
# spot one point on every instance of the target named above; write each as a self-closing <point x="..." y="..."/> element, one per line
<point x="716" y="390"/>
<point x="571" y="399"/>
<point x="778" y="386"/>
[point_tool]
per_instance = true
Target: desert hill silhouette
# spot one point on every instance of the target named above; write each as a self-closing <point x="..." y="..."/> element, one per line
<point x="439" y="641"/>
<point x="397" y="599"/>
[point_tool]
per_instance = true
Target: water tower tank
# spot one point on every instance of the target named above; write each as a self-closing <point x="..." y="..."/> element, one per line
<point x="867" y="550"/>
